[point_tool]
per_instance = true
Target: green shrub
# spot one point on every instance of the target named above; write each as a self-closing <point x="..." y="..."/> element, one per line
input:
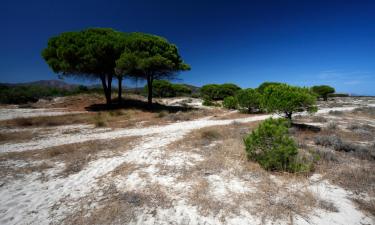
<point x="271" y="146"/>
<point x="249" y="100"/>
<point x="230" y="102"/>
<point x="209" y="102"/>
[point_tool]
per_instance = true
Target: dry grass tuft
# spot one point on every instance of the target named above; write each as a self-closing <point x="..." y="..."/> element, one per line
<point x="117" y="207"/>
<point x="275" y="202"/>
<point x="74" y="156"/>
<point x="16" y="136"/>
<point x="366" y="205"/>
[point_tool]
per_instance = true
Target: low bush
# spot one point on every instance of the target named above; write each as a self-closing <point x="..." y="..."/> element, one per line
<point x="230" y="102"/>
<point x="358" y="151"/>
<point x="370" y="111"/>
<point x="272" y="147"/>
<point x="332" y="126"/>
<point x="335" y="112"/>
<point x="208" y="102"/>
<point x="328" y="141"/>
<point x="319" y="119"/>
<point x="162" y="114"/>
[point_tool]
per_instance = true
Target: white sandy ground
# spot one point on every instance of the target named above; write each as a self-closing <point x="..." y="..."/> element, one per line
<point x="29" y="200"/>
<point x="12" y="113"/>
<point x="86" y="133"/>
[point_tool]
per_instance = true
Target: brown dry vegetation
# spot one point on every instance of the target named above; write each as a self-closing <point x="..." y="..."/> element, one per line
<point x="118" y="207"/>
<point x="74" y="156"/>
<point x="18" y="136"/>
<point x="353" y="169"/>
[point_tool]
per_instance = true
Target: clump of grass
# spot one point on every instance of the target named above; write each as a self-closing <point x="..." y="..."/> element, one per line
<point x="368" y="206"/>
<point x="370" y="111"/>
<point x="100" y="120"/>
<point x="23" y="122"/>
<point x="359" y="151"/>
<point x="117" y="113"/>
<point x="210" y="135"/>
<point x="328" y="206"/>
<point x="332" y="126"/>
<point x="162" y="114"/>
<point x="319" y="119"/>
<point x="336" y="113"/>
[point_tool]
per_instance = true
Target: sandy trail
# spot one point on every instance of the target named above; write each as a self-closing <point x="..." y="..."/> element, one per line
<point x="30" y="200"/>
<point x="59" y="137"/>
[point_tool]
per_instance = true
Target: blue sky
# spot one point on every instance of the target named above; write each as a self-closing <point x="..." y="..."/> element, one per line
<point x="244" y="42"/>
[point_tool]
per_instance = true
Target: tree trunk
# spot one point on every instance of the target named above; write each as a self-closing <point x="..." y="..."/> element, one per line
<point x="107" y="87"/>
<point x="288" y="115"/>
<point x="119" y="89"/>
<point x="149" y="94"/>
<point x="325" y="97"/>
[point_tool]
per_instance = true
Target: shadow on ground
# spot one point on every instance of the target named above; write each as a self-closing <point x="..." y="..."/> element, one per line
<point x="137" y="104"/>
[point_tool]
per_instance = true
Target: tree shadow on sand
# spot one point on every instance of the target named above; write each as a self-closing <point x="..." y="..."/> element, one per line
<point x="137" y="104"/>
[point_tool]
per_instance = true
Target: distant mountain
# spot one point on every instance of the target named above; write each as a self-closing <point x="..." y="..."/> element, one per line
<point x="44" y="83"/>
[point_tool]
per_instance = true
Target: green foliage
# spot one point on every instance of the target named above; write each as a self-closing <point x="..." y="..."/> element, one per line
<point x="219" y="91"/>
<point x="264" y="85"/>
<point x="90" y="53"/>
<point x="164" y="89"/>
<point x="230" y="102"/>
<point x="271" y="146"/>
<point x="32" y="93"/>
<point x="323" y="91"/>
<point x="150" y="57"/>
<point x="181" y="90"/>
<point x="249" y="100"/>
<point x="285" y="99"/>
<point x="161" y="89"/>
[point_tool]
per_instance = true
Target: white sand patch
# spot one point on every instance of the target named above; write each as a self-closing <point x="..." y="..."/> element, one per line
<point x="222" y="186"/>
<point x="347" y="211"/>
<point x="12" y="113"/>
<point x="101" y="134"/>
<point x="31" y="201"/>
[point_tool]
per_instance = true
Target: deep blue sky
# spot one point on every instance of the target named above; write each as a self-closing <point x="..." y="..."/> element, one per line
<point x="244" y="42"/>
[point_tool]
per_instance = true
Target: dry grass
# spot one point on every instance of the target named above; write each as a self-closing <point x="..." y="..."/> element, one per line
<point x="366" y="205"/>
<point x="275" y="201"/>
<point x="223" y="151"/>
<point x="74" y="156"/>
<point x="47" y="121"/>
<point x="118" y="207"/>
<point x="16" y="136"/>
